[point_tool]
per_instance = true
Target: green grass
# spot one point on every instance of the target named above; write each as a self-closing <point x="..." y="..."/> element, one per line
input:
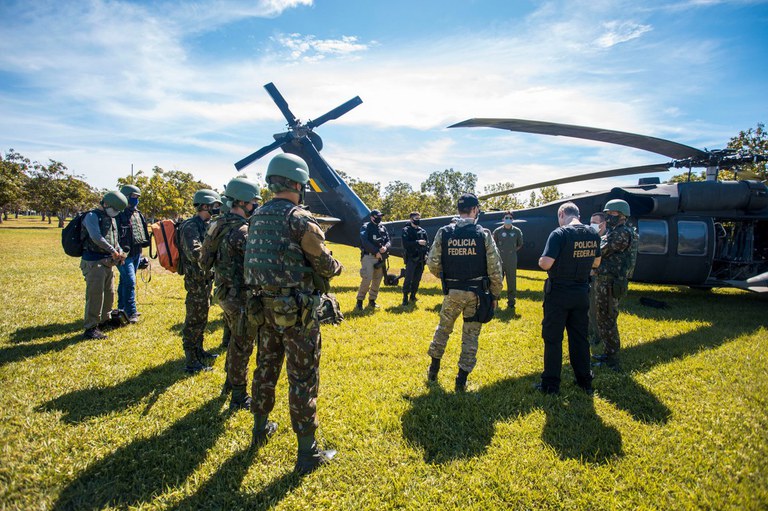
<point x="117" y="424"/>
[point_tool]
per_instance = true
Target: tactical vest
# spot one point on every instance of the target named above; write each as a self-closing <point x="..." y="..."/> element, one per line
<point x="576" y="255"/>
<point x="272" y="258"/>
<point x="621" y="264"/>
<point x="137" y="229"/>
<point x="108" y="230"/>
<point x="190" y="267"/>
<point x="229" y="263"/>
<point x="463" y="256"/>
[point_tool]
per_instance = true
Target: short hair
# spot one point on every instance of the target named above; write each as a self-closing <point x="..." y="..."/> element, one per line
<point x="569" y="209"/>
<point x="509" y="212"/>
<point x="413" y="214"/>
<point x="599" y="214"/>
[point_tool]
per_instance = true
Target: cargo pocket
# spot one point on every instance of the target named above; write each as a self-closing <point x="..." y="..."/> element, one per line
<point x="620" y="287"/>
<point x="285" y="311"/>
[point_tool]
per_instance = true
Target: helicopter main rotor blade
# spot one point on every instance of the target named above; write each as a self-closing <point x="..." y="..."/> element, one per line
<point x="282" y="104"/>
<point x="627" y="171"/>
<point x="652" y="144"/>
<point x="263" y="151"/>
<point x="335" y="113"/>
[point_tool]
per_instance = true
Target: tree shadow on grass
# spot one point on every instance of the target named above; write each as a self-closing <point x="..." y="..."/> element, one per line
<point x="32" y="333"/>
<point x="222" y="490"/>
<point x="84" y="404"/>
<point x="450" y="426"/>
<point x="146" y="468"/>
<point x="23" y="351"/>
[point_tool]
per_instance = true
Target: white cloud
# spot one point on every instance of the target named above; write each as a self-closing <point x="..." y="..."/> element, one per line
<point x="308" y="48"/>
<point x="620" y="32"/>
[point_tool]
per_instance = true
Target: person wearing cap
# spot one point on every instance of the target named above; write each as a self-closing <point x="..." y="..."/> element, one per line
<point x="197" y="281"/>
<point x="464" y="257"/>
<point x="134" y="235"/>
<point x="374" y="248"/>
<point x="416" y="246"/>
<point x="101" y="251"/>
<point x="619" y="247"/>
<point x="571" y="252"/>
<point x="509" y="239"/>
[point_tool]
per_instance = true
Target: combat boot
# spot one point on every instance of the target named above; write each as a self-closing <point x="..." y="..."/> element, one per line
<point x="359" y="305"/>
<point x="372" y="304"/>
<point x="413" y="297"/>
<point x="434" y="368"/>
<point x="262" y="430"/>
<point x="461" y="381"/>
<point x="193" y="362"/>
<point x="226" y="388"/>
<point x="405" y="299"/>
<point x="202" y="354"/>
<point x="310" y="458"/>
<point x="240" y="399"/>
<point x="94" y="333"/>
<point x="225" y="338"/>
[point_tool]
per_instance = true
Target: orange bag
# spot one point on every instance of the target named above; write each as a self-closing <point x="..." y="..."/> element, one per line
<point x="167" y="249"/>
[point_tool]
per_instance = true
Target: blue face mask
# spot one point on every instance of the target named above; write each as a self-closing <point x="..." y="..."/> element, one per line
<point x="133" y="201"/>
<point x="507" y="221"/>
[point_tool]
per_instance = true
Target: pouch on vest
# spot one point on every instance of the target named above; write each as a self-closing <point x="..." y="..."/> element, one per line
<point x="484" y="311"/>
<point x="255" y="309"/>
<point x="285" y="310"/>
<point x="309" y="304"/>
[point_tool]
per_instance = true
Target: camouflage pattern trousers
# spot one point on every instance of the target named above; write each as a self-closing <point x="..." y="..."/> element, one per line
<point x="592" y="336"/>
<point x="198" y="302"/>
<point x="243" y="333"/>
<point x="456" y="303"/>
<point x="300" y="346"/>
<point x="607" y="314"/>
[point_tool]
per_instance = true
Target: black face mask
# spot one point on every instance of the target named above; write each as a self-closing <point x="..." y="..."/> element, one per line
<point x="612" y="221"/>
<point x="416" y="221"/>
<point x="214" y="211"/>
<point x="376" y="220"/>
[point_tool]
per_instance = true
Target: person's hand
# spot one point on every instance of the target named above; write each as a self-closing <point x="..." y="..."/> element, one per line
<point x="116" y="256"/>
<point x="382" y="250"/>
<point x="422" y="242"/>
<point x="378" y="256"/>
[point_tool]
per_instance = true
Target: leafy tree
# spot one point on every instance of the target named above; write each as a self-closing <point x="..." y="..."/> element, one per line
<point x="684" y="178"/>
<point x="13" y="182"/>
<point x="75" y="195"/>
<point x="400" y="199"/>
<point x="546" y="195"/>
<point x="502" y="202"/>
<point x="446" y="187"/>
<point x="166" y="193"/>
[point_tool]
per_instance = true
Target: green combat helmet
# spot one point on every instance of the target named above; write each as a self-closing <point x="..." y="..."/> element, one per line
<point x="242" y="189"/>
<point x="205" y="197"/>
<point x="617" y="205"/>
<point x="128" y="190"/>
<point x="289" y="166"/>
<point x="115" y="200"/>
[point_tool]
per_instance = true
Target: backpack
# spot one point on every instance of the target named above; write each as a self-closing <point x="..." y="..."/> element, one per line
<point x="71" y="236"/>
<point x="166" y="236"/>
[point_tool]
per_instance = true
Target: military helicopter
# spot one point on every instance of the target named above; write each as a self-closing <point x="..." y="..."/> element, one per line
<point x="701" y="234"/>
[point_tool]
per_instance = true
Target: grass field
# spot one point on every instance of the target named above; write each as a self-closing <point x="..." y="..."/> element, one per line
<point x="117" y="424"/>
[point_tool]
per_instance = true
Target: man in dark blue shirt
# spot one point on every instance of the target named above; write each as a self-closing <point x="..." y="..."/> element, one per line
<point x="132" y="229"/>
<point x="374" y="247"/>
<point x="572" y="250"/>
<point x="416" y="245"/>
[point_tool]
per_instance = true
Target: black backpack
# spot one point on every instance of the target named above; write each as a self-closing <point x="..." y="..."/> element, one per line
<point x="71" y="236"/>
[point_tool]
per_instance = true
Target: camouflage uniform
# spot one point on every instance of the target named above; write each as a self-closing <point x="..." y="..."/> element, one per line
<point x="224" y="248"/>
<point x="286" y="262"/>
<point x="197" y="282"/>
<point x="508" y="242"/>
<point x="619" y="251"/>
<point x="458" y="301"/>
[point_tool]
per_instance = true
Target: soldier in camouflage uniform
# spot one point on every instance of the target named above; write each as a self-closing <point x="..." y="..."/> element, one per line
<point x="597" y="223"/>
<point x="287" y="266"/>
<point x="224" y="251"/>
<point x="619" y="250"/>
<point x="463" y="256"/>
<point x="197" y="281"/>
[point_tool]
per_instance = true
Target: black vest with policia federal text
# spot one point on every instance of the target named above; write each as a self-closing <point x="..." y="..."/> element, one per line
<point x="463" y="257"/>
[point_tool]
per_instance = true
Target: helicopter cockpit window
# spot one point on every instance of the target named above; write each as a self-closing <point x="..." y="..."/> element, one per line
<point x="691" y="238"/>
<point x="654" y="236"/>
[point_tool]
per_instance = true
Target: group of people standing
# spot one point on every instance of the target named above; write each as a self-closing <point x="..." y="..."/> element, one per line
<point x="267" y="267"/>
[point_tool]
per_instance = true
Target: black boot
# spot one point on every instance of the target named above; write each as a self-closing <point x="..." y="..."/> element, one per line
<point x="461" y="380"/>
<point x="202" y="354"/>
<point x="434" y="368"/>
<point x="225" y="337"/>
<point x="372" y="304"/>
<point x="310" y="456"/>
<point x="194" y="365"/>
<point x="226" y="388"/>
<point x="413" y="297"/>
<point x="240" y="399"/>
<point x="262" y="430"/>
<point x="405" y="299"/>
<point x="359" y="305"/>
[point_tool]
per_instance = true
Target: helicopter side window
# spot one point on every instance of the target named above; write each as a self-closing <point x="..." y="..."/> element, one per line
<point x="654" y="236"/>
<point x="691" y="238"/>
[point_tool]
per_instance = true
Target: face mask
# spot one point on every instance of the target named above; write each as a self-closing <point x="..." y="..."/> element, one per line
<point x="376" y="220"/>
<point x="507" y="221"/>
<point x="133" y="201"/>
<point x="612" y="221"/>
<point x="112" y="212"/>
<point x="595" y="227"/>
<point x="416" y="221"/>
<point x="214" y="211"/>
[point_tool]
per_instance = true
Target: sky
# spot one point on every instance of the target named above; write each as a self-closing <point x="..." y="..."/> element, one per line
<point x="104" y="86"/>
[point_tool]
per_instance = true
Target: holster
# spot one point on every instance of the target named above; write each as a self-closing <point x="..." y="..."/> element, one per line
<point x="329" y="312"/>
